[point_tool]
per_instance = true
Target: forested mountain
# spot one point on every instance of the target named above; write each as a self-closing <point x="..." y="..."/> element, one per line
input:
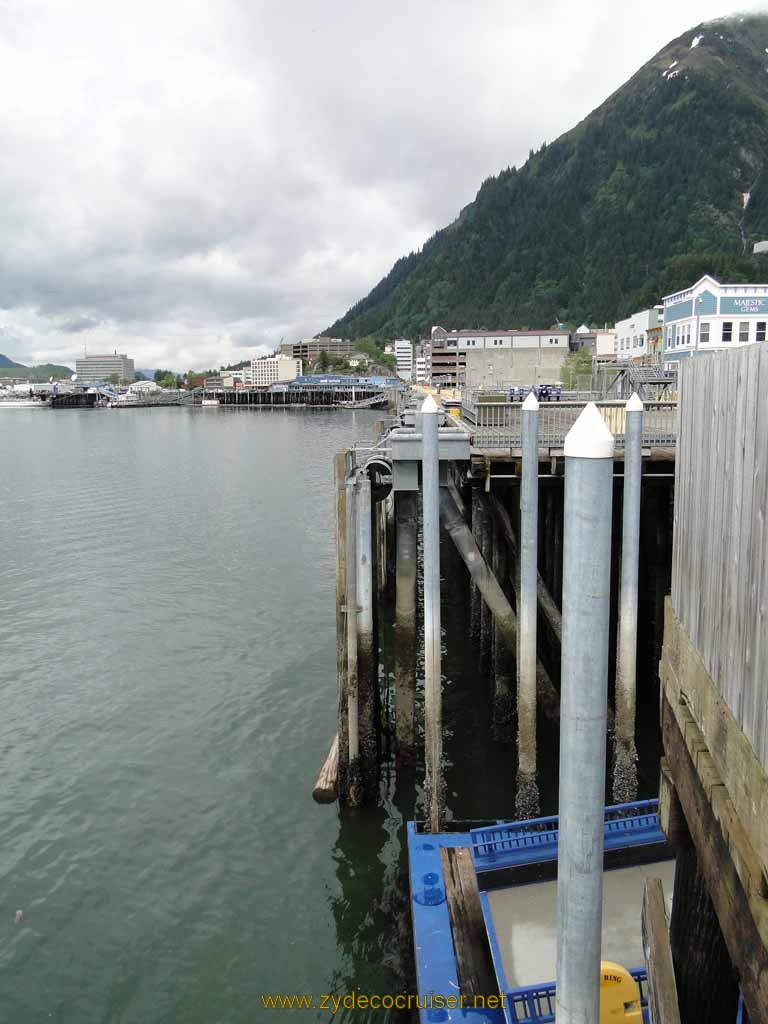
<point x="665" y="181"/>
<point x="39" y="373"/>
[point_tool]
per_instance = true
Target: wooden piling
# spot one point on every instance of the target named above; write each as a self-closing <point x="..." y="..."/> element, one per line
<point x="482" y="529"/>
<point x="475" y="601"/>
<point x="352" y="788"/>
<point x="380" y="519"/>
<point x="406" y="523"/>
<point x="503" y="656"/>
<point x="340" y="509"/>
<point x="367" y="661"/>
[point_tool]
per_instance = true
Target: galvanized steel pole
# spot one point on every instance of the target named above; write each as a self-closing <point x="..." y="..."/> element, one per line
<point x="625" y="752"/>
<point x="527" y="794"/>
<point x="583" y="715"/>
<point x="433" y="740"/>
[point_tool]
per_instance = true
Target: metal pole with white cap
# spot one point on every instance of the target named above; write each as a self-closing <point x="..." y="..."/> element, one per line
<point x="430" y="482"/>
<point x="625" y="753"/>
<point x="527" y="794"/>
<point x="589" y="450"/>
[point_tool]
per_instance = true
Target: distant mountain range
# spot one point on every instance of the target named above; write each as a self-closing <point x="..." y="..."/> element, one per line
<point x="665" y="181"/>
<point x="8" y="368"/>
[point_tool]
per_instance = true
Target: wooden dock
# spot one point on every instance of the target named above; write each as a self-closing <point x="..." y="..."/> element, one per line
<point x="714" y="673"/>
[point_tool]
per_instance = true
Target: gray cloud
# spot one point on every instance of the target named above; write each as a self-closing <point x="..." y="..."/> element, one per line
<point x="188" y="181"/>
<point x="78" y="324"/>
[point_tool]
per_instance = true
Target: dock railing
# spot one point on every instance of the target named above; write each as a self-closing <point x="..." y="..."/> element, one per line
<point x="497" y="423"/>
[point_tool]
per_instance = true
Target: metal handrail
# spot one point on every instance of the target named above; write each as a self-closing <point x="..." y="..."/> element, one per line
<point x="499" y="424"/>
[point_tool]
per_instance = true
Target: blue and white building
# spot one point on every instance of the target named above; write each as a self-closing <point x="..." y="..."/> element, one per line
<point x="710" y="316"/>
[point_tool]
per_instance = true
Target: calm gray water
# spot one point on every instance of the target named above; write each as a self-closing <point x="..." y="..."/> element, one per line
<point x="167" y="671"/>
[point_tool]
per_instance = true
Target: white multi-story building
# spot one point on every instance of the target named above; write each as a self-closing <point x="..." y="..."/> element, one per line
<point x="404" y="358"/>
<point x="632" y="335"/>
<point x="420" y="370"/>
<point x="90" y="369"/>
<point x="710" y="316"/>
<point x="275" y="369"/>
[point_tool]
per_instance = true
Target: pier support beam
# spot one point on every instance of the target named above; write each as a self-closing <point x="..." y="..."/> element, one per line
<point x="492" y="595"/>
<point x="475" y="600"/>
<point x="340" y="509"/>
<point x="503" y="656"/>
<point x="625" y="752"/>
<point x="527" y="790"/>
<point x="706" y="983"/>
<point x="406" y="526"/>
<point x="583" y="716"/>
<point x="353" y="788"/>
<point x="484" y="528"/>
<point x="367" y="667"/>
<point x="380" y="513"/>
<point x="433" y="696"/>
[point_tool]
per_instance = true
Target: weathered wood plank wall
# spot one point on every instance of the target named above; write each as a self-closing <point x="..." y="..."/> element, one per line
<point x="720" y="559"/>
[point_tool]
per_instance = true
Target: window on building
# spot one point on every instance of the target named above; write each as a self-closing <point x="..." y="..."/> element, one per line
<point x="727" y="331"/>
<point x="703" y="333"/>
<point x="760" y="330"/>
<point x="744" y="330"/>
<point x="669" y="337"/>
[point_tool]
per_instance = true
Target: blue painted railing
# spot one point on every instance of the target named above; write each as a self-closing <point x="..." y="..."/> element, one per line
<point x="509" y="843"/>
<point x="535" y="1004"/>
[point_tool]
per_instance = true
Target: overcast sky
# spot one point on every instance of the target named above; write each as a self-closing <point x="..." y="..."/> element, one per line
<point x="191" y="182"/>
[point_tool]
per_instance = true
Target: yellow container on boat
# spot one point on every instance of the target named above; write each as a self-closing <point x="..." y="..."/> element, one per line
<point x="619" y="995"/>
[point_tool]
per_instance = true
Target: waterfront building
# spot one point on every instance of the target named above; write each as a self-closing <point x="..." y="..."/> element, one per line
<point x="144" y="387"/>
<point x="601" y="344"/>
<point x="309" y="349"/>
<point x="276" y="369"/>
<point x="448" y="350"/>
<point x="514" y="366"/>
<point x="403" y="351"/>
<point x="632" y="335"/>
<point x="710" y="317"/>
<point x="91" y="369"/>
<point x="420" y="369"/>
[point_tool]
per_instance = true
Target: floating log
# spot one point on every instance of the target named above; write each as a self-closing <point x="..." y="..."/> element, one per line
<point x="325" y="790"/>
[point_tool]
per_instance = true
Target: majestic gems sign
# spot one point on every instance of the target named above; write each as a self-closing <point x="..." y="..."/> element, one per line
<point x="744" y="305"/>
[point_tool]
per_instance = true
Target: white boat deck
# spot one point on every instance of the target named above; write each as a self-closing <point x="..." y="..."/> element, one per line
<point x="525" y="919"/>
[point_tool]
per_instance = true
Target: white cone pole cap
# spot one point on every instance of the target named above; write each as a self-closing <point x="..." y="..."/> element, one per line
<point x="589" y="437"/>
<point x="531" y="403"/>
<point x="429" y="405"/>
<point x="635" y="403"/>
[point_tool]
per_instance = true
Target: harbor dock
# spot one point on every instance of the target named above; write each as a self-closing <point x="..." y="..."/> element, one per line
<point x="681" y="624"/>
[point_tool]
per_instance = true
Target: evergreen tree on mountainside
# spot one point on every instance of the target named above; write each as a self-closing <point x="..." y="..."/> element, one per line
<point x="640" y="199"/>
